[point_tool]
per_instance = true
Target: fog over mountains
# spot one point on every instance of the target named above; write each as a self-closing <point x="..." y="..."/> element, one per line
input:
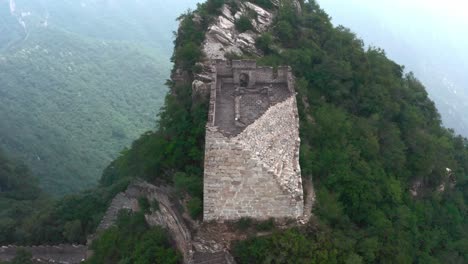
<point x="429" y="37"/>
<point x="137" y="20"/>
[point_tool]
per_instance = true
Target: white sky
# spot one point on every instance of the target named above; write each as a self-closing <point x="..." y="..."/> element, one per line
<point x="428" y="24"/>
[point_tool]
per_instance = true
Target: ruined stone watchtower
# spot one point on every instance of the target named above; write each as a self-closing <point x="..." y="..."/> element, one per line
<point x="252" y="144"/>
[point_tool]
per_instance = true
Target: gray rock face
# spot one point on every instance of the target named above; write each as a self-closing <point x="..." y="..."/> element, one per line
<point x="222" y="37"/>
<point x="200" y="88"/>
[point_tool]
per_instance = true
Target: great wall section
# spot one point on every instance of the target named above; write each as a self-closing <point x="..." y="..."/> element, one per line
<point x="252" y="144"/>
<point x="251" y="159"/>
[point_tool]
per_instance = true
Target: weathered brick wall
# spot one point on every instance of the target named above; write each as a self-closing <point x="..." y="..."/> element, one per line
<point x="252" y="170"/>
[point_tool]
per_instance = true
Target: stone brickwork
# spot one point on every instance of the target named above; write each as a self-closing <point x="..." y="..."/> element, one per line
<point x="252" y="144"/>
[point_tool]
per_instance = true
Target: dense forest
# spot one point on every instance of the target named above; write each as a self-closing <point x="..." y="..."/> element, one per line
<point x="391" y="182"/>
<point x="19" y="196"/>
<point x="68" y="104"/>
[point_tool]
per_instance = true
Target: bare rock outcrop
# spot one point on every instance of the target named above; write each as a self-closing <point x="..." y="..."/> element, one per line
<point x="223" y="38"/>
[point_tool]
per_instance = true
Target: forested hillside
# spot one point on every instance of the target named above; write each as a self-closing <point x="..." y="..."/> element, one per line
<point x="68" y="103"/>
<point x="19" y="196"/>
<point x="391" y="182"/>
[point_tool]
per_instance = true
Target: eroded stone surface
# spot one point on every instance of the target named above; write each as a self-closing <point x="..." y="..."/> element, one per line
<point x="222" y="37"/>
<point x="274" y="141"/>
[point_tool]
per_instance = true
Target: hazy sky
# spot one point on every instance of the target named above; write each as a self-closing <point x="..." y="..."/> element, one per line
<point x="445" y="23"/>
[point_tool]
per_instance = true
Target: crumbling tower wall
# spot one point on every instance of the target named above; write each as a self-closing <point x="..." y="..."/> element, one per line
<point x="252" y="144"/>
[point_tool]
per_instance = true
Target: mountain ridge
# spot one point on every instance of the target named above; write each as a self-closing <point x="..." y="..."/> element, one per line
<point x="368" y="133"/>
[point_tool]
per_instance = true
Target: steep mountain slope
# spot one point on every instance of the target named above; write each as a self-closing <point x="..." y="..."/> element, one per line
<point x="68" y="103"/>
<point x="68" y="106"/>
<point x="391" y="181"/>
<point x="19" y="195"/>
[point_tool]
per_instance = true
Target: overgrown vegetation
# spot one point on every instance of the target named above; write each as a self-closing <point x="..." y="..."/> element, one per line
<point x="144" y="204"/>
<point x="267" y="4"/>
<point x="133" y="241"/>
<point x="244" y="223"/>
<point x="369" y="132"/>
<point x="243" y="23"/>
<point x="28" y="216"/>
<point x="265" y="43"/>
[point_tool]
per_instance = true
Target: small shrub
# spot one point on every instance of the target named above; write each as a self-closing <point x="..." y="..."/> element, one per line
<point x="267" y="225"/>
<point x="213" y="6"/>
<point x="234" y="6"/>
<point x="285" y="32"/>
<point x="197" y="68"/>
<point x="244" y="223"/>
<point x="232" y="56"/>
<point x="155" y="205"/>
<point x="267" y="4"/>
<point x="190" y="184"/>
<point x="264" y="42"/>
<point x="195" y="207"/>
<point x="73" y="231"/>
<point x="187" y="55"/>
<point x="243" y="24"/>
<point x="144" y="204"/>
<point x="22" y="257"/>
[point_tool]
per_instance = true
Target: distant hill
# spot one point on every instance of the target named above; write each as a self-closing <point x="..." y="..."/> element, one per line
<point x="79" y="81"/>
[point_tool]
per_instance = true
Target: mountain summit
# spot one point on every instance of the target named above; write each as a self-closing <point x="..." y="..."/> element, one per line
<point x="390" y="183"/>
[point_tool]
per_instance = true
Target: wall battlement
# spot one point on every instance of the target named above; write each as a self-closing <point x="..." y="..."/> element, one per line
<point x="252" y="144"/>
